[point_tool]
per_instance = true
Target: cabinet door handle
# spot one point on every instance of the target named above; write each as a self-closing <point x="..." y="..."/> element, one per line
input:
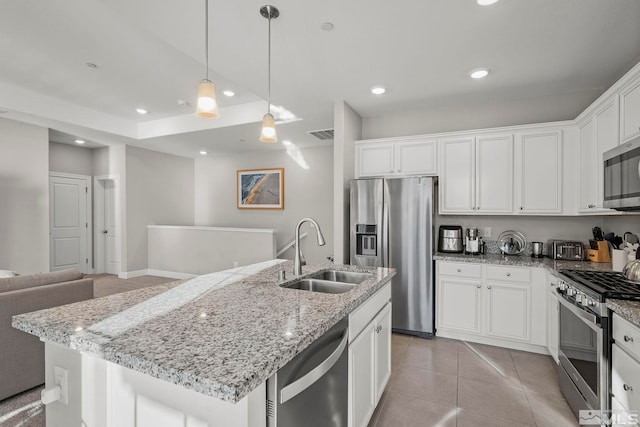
<point x="508" y="274"/>
<point x="628" y="338"/>
<point x="459" y="270"/>
<point x="378" y="329"/>
<point x="627" y="387"/>
<point x="489" y="287"/>
<point x="521" y="208"/>
<point x="478" y="286"/>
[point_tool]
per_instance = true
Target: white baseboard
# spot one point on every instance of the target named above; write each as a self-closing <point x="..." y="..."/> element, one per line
<point x="154" y="272"/>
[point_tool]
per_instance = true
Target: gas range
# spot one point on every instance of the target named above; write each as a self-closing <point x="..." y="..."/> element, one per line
<point x="590" y="289"/>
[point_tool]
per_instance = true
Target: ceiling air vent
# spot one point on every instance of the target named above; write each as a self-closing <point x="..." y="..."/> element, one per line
<point x="322" y="135"/>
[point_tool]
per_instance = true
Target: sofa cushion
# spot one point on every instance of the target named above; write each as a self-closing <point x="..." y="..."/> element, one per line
<point x="39" y="279"/>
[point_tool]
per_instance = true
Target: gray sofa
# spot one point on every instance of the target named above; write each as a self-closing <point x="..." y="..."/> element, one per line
<point x="22" y="354"/>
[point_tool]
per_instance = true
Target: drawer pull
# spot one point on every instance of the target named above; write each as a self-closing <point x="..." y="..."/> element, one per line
<point x="378" y="329"/>
<point x="459" y="270"/>
<point x="627" y="387"/>
<point x="508" y="274"/>
<point x="478" y="286"/>
<point x="628" y="338"/>
<point x="489" y="287"/>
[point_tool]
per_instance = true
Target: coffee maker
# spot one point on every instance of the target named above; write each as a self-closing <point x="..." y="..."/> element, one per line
<point x="472" y="242"/>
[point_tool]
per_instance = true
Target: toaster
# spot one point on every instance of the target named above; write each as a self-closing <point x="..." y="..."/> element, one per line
<point x="567" y="250"/>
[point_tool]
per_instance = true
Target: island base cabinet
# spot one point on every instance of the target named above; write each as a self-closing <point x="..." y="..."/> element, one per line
<point x="369" y="367"/>
<point x="103" y="394"/>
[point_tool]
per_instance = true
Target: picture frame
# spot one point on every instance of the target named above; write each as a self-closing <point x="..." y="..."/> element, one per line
<point x="260" y="188"/>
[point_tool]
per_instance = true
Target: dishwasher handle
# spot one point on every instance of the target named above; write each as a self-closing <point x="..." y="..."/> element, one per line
<point x="300" y="385"/>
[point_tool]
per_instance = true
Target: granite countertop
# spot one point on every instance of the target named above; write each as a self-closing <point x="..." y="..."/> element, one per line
<point x="525" y="261"/>
<point x="629" y="310"/>
<point x="220" y="334"/>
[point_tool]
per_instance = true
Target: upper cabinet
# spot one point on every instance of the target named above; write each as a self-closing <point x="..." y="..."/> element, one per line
<point x="396" y="157"/>
<point x="598" y="133"/>
<point x="630" y="110"/>
<point x="538" y="172"/>
<point x="477" y="174"/>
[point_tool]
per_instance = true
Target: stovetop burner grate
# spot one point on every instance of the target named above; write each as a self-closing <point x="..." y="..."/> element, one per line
<point x="608" y="284"/>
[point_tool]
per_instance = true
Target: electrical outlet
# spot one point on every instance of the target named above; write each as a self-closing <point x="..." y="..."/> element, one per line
<point x="61" y="376"/>
<point x="487" y="232"/>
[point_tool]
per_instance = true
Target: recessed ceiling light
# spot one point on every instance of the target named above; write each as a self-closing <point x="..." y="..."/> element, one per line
<point x="479" y="73"/>
<point x="91" y="65"/>
<point x="486" y="2"/>
<point x="228" y="93"/>
<point x="204" y="153"/>
<point x="141" y="111"/>
<point x="79" y="141"/>
<point x="326" y="26"/>
<point x="378" y="90"/>
<point x="286" y="142"/>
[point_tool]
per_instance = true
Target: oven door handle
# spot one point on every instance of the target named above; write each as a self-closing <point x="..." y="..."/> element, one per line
<point x="584" y="315"/>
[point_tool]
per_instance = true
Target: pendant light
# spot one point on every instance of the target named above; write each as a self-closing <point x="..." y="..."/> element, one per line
<point x="207" y="105"/>
<point x="268" y="133"/>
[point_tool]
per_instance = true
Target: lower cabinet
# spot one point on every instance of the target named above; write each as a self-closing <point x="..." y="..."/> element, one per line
<point x="553" y="318"/>
<point x="491" y="304"/>
<point x="369" y="364"/>
<point x="625" y="371"/>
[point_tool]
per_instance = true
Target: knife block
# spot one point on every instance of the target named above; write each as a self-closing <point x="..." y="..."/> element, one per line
<point x="601" y="254"/>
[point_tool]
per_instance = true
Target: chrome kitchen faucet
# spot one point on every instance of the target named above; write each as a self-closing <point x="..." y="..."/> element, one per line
<point x="299" y="259"/>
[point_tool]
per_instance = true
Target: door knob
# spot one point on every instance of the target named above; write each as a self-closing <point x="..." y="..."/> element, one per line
<point x="104" y="231"/>
<point x="628" y="338"/>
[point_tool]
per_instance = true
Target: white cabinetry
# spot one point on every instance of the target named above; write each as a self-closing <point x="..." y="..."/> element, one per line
<point x="369" y="356"/>
<point x="553" y="318"/>
<point x="630" y="111"/>
<point x="598" y="133"/>
<point x="396" y="157"/>
<point x="625" y="360"/>
<point x="492" y="304"/>
<point x="477" y="175"/>
<point x="538" y="172"/>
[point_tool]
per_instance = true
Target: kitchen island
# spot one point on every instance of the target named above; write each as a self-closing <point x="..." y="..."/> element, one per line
<point x="197" y="351"/>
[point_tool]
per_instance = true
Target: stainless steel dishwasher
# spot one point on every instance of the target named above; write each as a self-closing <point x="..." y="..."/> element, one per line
<point x="312" y="389"/>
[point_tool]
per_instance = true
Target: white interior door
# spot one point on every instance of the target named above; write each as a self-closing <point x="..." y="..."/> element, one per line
<point x="69" y="222"/>
<point x="111" y="229"/>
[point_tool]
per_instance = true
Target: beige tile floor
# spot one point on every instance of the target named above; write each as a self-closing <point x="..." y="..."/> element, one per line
<point x="449" y="383"/>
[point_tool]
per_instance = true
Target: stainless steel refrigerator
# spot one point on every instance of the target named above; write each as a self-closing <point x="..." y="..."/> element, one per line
<point x="391" y="226"/>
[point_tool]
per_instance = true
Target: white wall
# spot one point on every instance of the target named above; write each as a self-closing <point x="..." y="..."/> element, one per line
<point x="471" y="115"/>
<point x="308" y="193"/>
<point x="347" y="129"/>
<point x="70" y="159"/>
<point x="100" y="161"/>
<point x="24" y="197"/>
<point x="159" y="190"/>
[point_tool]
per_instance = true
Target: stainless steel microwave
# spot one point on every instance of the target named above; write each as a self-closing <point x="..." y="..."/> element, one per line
<point x="622" y="176"/>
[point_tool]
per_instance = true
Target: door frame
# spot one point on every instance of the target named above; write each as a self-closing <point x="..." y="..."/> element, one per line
<point x="89" y="220"/>
<point x="98" y="185"/>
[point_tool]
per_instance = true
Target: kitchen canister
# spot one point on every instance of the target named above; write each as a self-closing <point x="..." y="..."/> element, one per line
<point x="618" y="259"/>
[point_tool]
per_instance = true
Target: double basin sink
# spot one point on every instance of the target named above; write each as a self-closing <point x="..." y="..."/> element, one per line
<point x="329" y="281"/>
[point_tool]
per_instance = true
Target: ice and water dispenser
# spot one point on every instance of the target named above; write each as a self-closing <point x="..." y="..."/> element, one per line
<point x="366" y="240"/>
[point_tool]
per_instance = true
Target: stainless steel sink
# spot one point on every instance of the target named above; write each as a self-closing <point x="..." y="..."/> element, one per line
<point x="341" y="276"/>
<point x="324" y="286"/>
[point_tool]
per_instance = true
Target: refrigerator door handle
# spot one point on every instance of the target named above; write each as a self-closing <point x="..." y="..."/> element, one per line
<point x="386" y="248"/>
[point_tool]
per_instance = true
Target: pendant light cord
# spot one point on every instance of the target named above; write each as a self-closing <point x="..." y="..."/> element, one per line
<point x="206" y="37"/>
<point x="269" y="65"/>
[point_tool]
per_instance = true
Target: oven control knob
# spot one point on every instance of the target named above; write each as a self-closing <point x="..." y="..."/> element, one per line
<point x="562" y="285"/>
<point x="579" y="297"/>
<point x="571" y="291"/>
<point x="590" y="302"/>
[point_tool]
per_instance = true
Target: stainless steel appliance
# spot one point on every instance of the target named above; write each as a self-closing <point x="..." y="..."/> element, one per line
<point x="391" y="226"/>
<point x="537" y="249"/>
<point x="472" y="242"/>
<point x="312" y="389"/>
<point x="584" y="348"/>
<point x="622" y="176"/>
<point x="565" y="250"/>
<point x="450" y="239"/>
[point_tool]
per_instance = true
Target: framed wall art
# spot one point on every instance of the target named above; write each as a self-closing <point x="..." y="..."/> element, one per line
<point x="260" y="188"/>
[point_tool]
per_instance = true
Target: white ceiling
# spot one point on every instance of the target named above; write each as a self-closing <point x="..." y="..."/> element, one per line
<point x="150" y="54"/>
